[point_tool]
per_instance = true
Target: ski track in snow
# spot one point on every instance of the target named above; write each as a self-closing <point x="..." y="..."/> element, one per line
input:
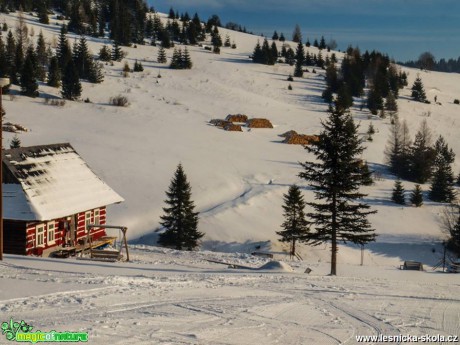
<point x="210" y="306"/>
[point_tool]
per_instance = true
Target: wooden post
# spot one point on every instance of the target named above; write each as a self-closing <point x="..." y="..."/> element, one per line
<point x="3" y="82"/>
<point x="126" y="243"/>
<point x="362" y="254"/>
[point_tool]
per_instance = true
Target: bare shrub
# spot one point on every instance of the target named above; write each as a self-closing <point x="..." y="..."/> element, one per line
<point x="119" y="101"/>
<point x="54" y="101"/>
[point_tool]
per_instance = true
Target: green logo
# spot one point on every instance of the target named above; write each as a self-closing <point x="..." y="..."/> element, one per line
<point x="22" y="332"/>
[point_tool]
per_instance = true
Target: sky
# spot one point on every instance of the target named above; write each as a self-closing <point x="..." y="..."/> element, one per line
<point x="401" y="28"/>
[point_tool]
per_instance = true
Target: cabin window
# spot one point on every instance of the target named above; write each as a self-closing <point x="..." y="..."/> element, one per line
<point x="40" y="235"/>
<point x="87" y="219"/>
<point x="51" y="233"/>
<point x="97" y="216"/>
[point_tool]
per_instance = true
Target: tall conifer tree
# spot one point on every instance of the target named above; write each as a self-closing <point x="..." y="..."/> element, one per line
<point x="42" y="57"/>
<point x="300" y="59"/>
<point x="416" y="197"/>
<point x="397" y="195"/>
<point x="295" y="225"/>
<point x="179" y="219"/>
<point x="442" y="185"/>
<point x="336" y="177"/>
<point x="71" y="86"/>
<point x="54" y="73"/>
<point x="29" y="85"/>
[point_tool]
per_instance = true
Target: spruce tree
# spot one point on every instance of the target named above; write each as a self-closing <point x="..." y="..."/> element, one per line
<point x="442" y="185"/>
<point x="165" y="39"/>
<point x="398" y="193"/>
<point x="42" y="57"/>
<point x="367" y="179"/>
<point x="282" y="38"/>
<point x="391" y="105"/>
<point x="422" y="155"/>
<point x="295" y="224"/>
<point x="76" y="23"/>
<point x="71" y="86"/>
<point x="274" y="52"/>
<point x="18" y="62"/>
<point x="336" y="177"/>
<point x="54" y="73"/>
<point x="267" y="55"/>
<point x="15" y="142"/>
<point x="418" y="91"/>
<point x="179" y="219"/>
<point x="322" y="43"/>
<point x="297" y="34"/>
<point x="63" y="50"/>
<point x="82" y="58"/>
<point x="186" y="61"/>
<point x="275" y="36"/>
<point x="43" y="13"/>
<point x="257" y="55"/>
<point x="3" y="59"/>
<point x="29" y="84"/>
<point x="11" y="69"/>
<point x="161" y="55"/>
<point x="95" y="72"/>
<point x="344" y="99"/>
<point x="176" y="60"/>
<point x="397" y="151"/>
<point x="138" y="67"/>
<point x="300" y="59"/>
<point x="416" y="197"/>
<point x="117" y="54"/>
<point x="374" y="100"/>
<point x="105" y="54"/>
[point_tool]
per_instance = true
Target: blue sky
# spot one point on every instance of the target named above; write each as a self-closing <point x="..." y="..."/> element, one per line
<point x="401" y="28"/>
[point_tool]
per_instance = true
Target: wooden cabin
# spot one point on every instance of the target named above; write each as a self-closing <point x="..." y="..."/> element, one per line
<point x="49" y="196"/>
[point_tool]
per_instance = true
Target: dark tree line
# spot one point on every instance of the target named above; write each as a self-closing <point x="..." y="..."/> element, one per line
<point x="427" y="61"/>
<point x="268" y="54"/>
<point x="421" y="161"/>
<point x="376" y="69"/>
<point x="125" y="20"/>
<point x="26" y="63"/>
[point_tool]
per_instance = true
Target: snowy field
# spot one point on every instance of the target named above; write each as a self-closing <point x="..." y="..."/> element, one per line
<point x="238" y="180"/>
<point x="168" y="297"/>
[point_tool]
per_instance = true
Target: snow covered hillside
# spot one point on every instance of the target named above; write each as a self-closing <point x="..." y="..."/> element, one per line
<point x="237" y="178"/>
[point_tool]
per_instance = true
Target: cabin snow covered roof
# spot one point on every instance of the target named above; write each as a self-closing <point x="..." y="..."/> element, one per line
<point x="50" y="181"/>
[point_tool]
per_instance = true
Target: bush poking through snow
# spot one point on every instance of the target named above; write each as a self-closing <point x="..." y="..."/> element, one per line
<point x="456" y="101"/>
<point x="119" y="101"/>
<point x="55" y="102"/>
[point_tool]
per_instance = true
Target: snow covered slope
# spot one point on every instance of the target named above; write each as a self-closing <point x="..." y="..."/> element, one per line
<point x="237" y="178"/>
<point x="169" y="297"/>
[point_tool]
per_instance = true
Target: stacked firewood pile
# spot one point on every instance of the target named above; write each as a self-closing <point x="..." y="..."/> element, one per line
<point x="294" y="138"/>
<point x="240" y="118"/>
<point x="235" y="122"/>
<point x="14" y="128"/>
<point x="259" y="123"/>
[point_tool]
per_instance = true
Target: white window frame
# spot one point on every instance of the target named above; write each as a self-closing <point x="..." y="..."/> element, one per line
<point x="97" y="217"/>
<point x="87" y="220"/>
<point x="51" y="229"/>
<point x="40" y="235"/>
